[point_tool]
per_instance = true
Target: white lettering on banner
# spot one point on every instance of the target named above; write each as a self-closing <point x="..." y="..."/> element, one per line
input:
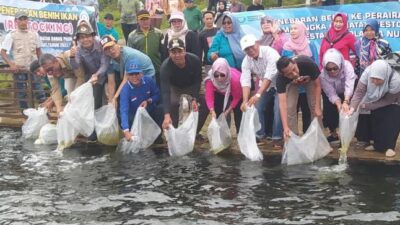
<point x="382" y="15"/>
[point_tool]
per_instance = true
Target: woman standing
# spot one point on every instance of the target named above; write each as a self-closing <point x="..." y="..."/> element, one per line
<point x="178" y="29"/>
<point x="337" y="81"/>
<point x="219" y="13"/>
<point x="338" y="37"/>
<point x="226" y="43"/>
<point x="378" y="90"/>
<point x="273" y="35"/>
<point x="222" y="85"/>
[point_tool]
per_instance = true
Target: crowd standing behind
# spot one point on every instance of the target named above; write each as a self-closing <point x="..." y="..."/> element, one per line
<point x="155" y="68"/>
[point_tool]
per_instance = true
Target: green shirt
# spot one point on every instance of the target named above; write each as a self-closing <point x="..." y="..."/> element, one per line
<point x="193" y="18"/>
<point x="149" y="44"/>
<point x="128" y="9"/>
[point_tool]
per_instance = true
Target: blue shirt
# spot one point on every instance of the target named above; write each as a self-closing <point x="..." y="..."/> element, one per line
<point x="128" y="53"/>
<point x="132" y="96"/>
<point x="103" y="30"/>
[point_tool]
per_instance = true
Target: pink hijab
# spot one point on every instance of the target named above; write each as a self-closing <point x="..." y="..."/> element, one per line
<point x="222" y="66"/>
<point x="300" y="45"/>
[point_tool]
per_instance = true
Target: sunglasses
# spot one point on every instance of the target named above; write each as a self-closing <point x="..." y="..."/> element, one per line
<point x="226" y="22"/>
<point x="221" y="75"/>
<point x="332" y="69"/>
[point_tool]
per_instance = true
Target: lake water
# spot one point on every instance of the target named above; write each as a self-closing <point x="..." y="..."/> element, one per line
<point x="97" y="185"/>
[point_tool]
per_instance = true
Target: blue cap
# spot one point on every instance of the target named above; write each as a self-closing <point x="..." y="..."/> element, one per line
<point x="132" y="66"/>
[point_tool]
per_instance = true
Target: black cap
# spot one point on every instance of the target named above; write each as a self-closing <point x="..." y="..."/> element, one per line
<point x="108" y="16"/>
<point x="176" y="43"/>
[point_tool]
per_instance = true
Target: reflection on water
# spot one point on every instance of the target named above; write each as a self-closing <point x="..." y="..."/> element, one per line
<point x="96" y="185"/>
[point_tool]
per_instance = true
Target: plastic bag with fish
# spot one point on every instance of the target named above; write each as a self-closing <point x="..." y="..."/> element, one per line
<point x="181" y="140"/>
<point x="219" y="134"/>
<point x="308" y="148"/>
<point x="347" y="129"/>
<point x="47" y="135"/>
<point x="106" y="125"/>
<point x="144" y="132"/>
<point x="249" y="125"/>
<point x="37" y="118"/>
<point x="77" y="117"/>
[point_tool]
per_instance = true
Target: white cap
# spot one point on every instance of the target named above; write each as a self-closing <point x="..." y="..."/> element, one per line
<point x="247" y="41"/>
<point x="177" y="15"/>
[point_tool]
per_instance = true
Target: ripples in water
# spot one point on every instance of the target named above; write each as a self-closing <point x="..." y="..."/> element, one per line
<point x="95" y="185"/>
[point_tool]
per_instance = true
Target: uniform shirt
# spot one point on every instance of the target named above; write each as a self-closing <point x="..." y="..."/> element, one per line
<point x="132" y="96"/>
<point x="22" y="44"/>
<point x="307" y="67"/>
<point x="264" y="67"/>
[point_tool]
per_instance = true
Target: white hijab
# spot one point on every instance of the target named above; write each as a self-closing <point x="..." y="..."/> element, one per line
<point x="380" y="69"/>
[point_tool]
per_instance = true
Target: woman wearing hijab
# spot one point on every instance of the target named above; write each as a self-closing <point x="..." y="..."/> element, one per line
<point x="337" y="81"/>
<point x="219" y="12"/>
<point x="226" y="43"/>
<point x="298" y="44"/>
<point x="222" y="85"/>
<point x="371" y="46"/>
<point x="338" y="37"/>
<point x="378" y="91"/>
<point x="178" y="29"/>
<point x="273" y="35"/>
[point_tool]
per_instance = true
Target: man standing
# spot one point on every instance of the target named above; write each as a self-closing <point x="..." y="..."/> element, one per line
<point x="206" y="36"/>
<point x="237" y="6"/>
<point x="119" y="57"/>
<point x="147" y="40"/>
<point x="89" y="54"/>
<point x="180" y="74"/>
<point x="24" y="46"/>
<point x="192" y="16"/>
<point x="128" y="10"/>
<point x="260" y="61"/>
<point x="108" y="27"/>
<point x="293" y="72"/>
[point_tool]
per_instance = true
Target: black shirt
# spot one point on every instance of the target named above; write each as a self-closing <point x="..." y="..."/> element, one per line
<point x="205" y="38"/>
<point x="187" y="77"/>
<point x="307" y="67"/>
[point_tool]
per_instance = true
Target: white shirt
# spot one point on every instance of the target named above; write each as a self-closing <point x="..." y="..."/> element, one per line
<point x="264" y="67"/>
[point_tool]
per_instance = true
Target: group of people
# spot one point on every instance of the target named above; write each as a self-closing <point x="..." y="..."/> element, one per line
<point x="280" y="74"/>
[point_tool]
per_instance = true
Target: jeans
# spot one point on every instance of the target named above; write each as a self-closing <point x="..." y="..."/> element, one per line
<point x="21" y="85"/>
<point x="265" y="99"/>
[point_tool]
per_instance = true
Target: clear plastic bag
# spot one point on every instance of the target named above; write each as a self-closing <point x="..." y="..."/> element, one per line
<point x="144" y="130"/>
<point x="249" y="125"/>
<point x="347" y="129"/>
<point x="47" y="135"/>
<point x="106" y="125"/>
<point x="181" y="140"/>
<point x="308" y="148"/>
<point x="36" y="120"/>
<point x="219" y="134"/>
<point x="77" y="117"/>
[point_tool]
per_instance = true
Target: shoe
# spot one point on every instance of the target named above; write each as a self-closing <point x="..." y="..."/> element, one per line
<point x="361" y="144"/>
<point x="92" y="138"/>
<point x="332" y="138"/>
<point x="369" y="148"/>
<point x="390" y="153"/>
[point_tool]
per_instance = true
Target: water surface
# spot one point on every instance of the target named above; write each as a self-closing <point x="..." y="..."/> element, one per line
<point x="93" y="184"/>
